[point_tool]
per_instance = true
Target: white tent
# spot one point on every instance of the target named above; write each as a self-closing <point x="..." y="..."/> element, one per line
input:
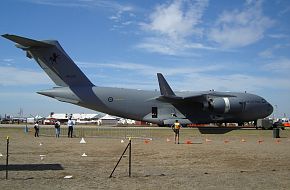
<point x="108" y="120"/>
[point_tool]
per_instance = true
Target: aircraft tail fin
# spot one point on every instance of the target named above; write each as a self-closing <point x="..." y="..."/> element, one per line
<point x="165" y="89"/>
<point x="26" y="42"/>
<point x="53" y="60"/>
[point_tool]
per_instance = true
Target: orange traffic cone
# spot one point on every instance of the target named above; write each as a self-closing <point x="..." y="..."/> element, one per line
<point x="146" y="141"/>
<point x="188" y="142"/>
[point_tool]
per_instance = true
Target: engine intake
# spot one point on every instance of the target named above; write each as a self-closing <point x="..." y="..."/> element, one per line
<point x="225" y="105"/>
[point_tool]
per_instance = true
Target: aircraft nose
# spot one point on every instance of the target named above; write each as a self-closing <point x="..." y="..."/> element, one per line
<point x="270" y="109"/>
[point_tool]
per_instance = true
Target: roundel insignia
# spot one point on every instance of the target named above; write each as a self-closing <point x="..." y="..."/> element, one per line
<point x="110" y="99"/>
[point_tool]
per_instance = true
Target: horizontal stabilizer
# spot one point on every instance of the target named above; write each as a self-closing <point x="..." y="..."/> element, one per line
<point x="67" y="100"/>
<point x="26" y="42"/>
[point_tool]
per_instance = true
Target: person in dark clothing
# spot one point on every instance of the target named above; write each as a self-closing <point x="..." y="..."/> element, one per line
<point x="36" y="128"/>
<point x="175" y="127"/>
<point x="57" y="129"/>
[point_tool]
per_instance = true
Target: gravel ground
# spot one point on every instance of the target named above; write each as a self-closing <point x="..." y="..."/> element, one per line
<point x="244" y="159"/>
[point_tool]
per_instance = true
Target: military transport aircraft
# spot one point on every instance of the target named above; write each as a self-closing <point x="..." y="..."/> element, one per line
<point x="162" y="107"/>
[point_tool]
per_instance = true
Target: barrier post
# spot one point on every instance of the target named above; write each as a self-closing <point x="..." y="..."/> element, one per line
<point x="26" y="128"/>
<point x="128" y="146"/>
<point x="7" y="155"/>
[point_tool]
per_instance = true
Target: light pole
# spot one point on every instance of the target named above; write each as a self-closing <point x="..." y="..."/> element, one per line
<point x="276" y="110"/>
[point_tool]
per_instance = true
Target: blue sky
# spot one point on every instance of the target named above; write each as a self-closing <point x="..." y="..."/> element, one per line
<point x="197" y="45"/>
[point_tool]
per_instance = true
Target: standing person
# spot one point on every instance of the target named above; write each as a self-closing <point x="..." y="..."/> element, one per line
<point x="70" y="125"/>
<point x="36" y="128"/>
<point x="57" y="128"/>
<point x="175" y="127"/>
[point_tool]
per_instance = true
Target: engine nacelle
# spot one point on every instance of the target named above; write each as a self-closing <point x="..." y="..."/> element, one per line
<point x="225" y="105"/>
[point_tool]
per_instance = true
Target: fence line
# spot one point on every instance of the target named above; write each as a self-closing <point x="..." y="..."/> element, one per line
<point x="110" y="132"/>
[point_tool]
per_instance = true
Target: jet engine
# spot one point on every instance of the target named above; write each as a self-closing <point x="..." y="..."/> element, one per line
<point x="225" y="105"/>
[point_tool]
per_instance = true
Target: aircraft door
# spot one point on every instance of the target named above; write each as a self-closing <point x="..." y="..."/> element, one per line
<point x="154" y="112"/>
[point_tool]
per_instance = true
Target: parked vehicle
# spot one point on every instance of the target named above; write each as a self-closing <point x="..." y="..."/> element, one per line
<point x="265" y="123"/>
<point x="49" y="121"/>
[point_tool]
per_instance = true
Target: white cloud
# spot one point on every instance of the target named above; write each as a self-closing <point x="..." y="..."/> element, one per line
<point x="8" y="60"/>
<point x="23" y="95"/>
<point x="281" y="65"/>
<point x="171" y="25"/>
<point x="194" y="78"/>
<point x="177" y="20"/>
<point x="113" y="5"/>
<point x="11" y="76"/>
<point x="278" y="36"/>
<point x="233" y="82"/>
<point x="151" y="70"/>
<point x="284" y="11"/>
<point x="168" y="46"/>
<point x="160" y="45"/>
<point x="240" y="28"/>
<point x="268" y="53"/>
<point x="118" y="10"/>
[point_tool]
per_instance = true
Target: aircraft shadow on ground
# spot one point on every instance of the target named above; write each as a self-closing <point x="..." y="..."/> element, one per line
<point x="31" y="167"/>
<point x="216" y="130"/>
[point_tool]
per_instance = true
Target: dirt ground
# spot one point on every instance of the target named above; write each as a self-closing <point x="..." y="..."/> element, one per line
<point x="244" y="159"/>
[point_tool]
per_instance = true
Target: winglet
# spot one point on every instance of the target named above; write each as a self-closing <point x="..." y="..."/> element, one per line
<point x="165" y="89"/>
<point x="26" y="42"/>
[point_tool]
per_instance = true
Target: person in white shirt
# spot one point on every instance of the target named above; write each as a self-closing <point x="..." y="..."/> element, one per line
<point x="70" y="125"/>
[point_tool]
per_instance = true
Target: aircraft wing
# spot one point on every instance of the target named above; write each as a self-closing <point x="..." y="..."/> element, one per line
<point x="210" y="93"/>
<point x="194" y="98"/>
<point x="167" y="94"/>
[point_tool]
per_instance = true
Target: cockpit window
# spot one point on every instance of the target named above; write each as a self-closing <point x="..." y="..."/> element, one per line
<point x="264" y="101"/>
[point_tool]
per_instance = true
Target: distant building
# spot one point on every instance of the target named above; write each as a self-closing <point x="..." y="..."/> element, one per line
<point x="124" y="121"/>
<point x="79" y="118"/>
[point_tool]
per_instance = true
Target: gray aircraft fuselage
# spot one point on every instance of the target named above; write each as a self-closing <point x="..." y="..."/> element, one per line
<point x="160" y="107"/>
<point x="140" y="105"/>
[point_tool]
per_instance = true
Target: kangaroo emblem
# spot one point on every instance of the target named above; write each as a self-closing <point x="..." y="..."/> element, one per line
<point x="53" y="58"/>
